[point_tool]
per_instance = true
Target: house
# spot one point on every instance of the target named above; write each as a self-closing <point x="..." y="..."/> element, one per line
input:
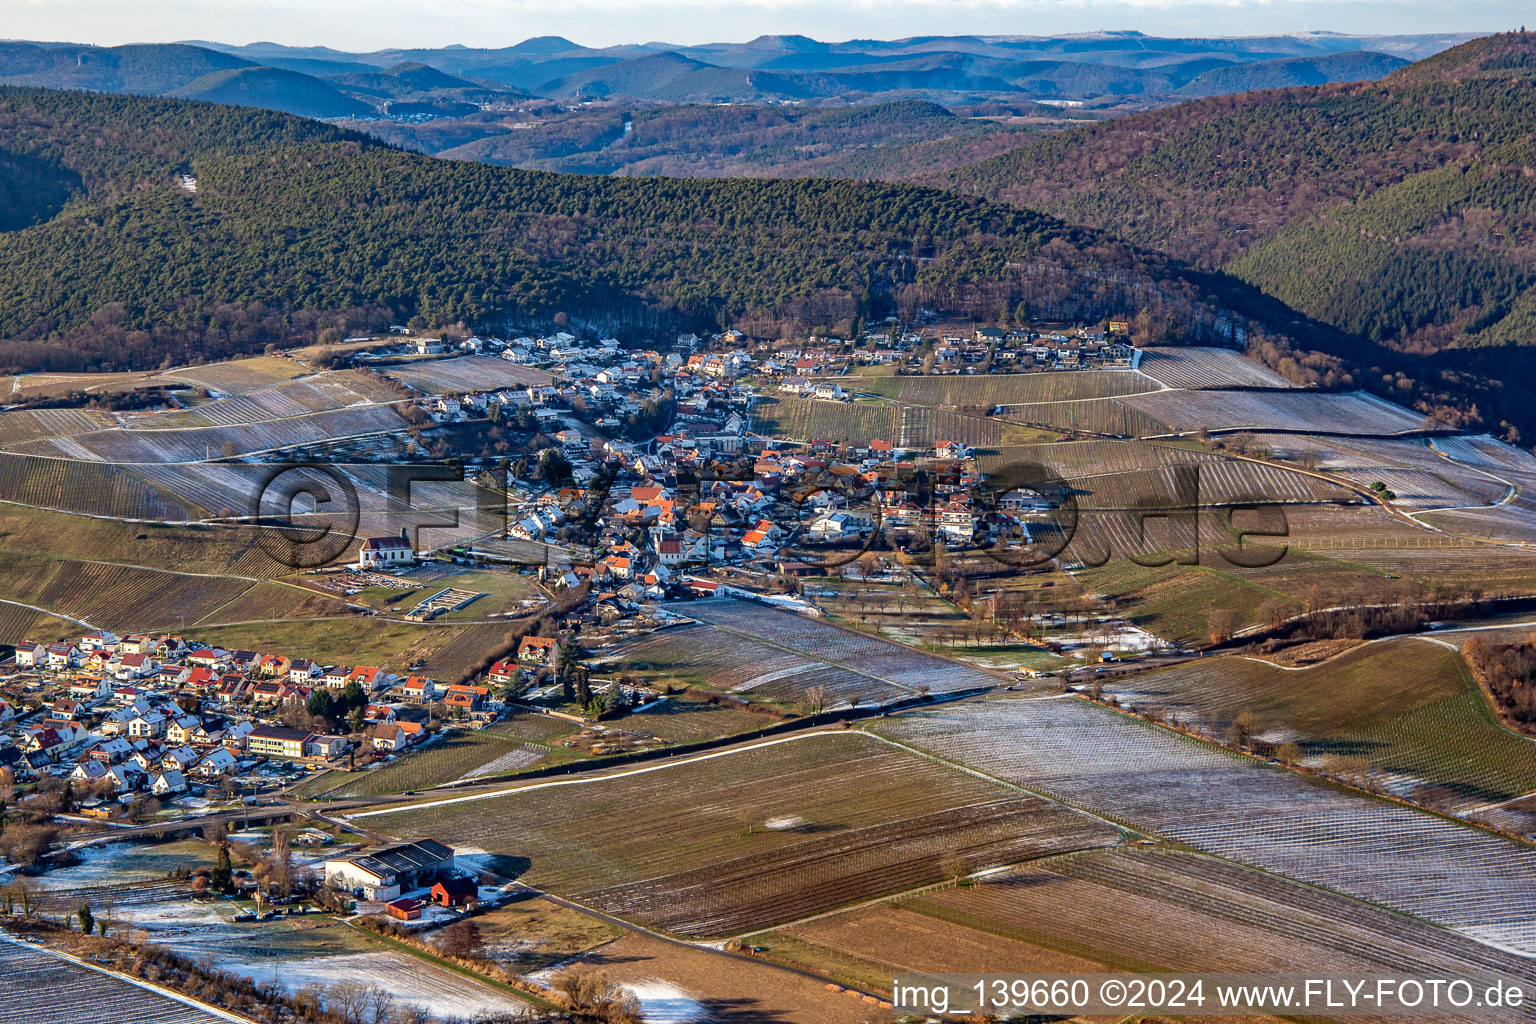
<point x="216" y="763"/>
<point x="541" y="651"/>
<point x="468" y="698"/>
<point x="503" y="672"/>
<point x="147" y="726"/>
<point x="384" y="551"/>
<point x="277" y="741"/>
<point x="31" y="655"/>
<point x="168" y="784"/>
<point x="397" y="736"/>
<point x="386" y="872"/>
<point x="62" y="656"/>
<point x="88" y="687"/>
<point x="98" y="640"/>
<point x="456" y="892"/>
<point x="419" y="689"/>
<point x="327" y="747"/>
<point x="950" y="450"/>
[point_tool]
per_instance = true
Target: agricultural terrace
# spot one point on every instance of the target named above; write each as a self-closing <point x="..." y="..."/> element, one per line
<point x="464" y="373"/>
<point x="321" y="392"/>
<point x="721" y="659"/>
<point x="45" y="988"/>
<point x="1418" y="477"/>
<point x="758" y="836"/>
<point x="986" y="390"/>
<point x="154" y="446"/>
<point x="807" y="418"/>
<point x="192" y="548"/>
<point x="236" y="376"/>
<point x="87" y="488"/>
<point x="1160" y="910"/>
<point x="1303" y="411"/>
<point x="505" y="748"/>
<point x="114" y="597"/>
<point x="1207" y="368"/>
<point x="1230" y="806"/>
<point x="1407" y="707"/>
<point x="897" y="664"/>
<point x="1108" y="416"/>
<point x="28" y="424"/>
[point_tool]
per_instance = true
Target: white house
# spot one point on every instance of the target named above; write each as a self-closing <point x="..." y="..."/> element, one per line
<point x="377" y="551"/>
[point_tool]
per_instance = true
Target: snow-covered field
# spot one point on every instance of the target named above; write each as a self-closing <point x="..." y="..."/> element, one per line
<point x="407" y="980"/>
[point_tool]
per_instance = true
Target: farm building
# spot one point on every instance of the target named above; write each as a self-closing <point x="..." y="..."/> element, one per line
<point x="404" y="909"/>
<point x="456" y="892"/>
<point x="385" y="873"/>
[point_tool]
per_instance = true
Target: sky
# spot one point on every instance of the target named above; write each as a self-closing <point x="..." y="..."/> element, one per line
<point x="362" y="25"/>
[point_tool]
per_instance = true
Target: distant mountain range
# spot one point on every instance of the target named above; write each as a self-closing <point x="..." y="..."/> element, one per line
<point x="1095" y="69"/>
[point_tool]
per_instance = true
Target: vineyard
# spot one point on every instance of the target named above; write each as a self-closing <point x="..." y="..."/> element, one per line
<point x="115" y="597"/>
<point x="323" y="392"/>
<point x="923" y="427"/>
<point x="26" y="425"/>
<point x="1407" y="706"/>
<point x="987" y="390"/>
<point x="806" y="418"/>
<point x="43" y="988"/>
<point x="1295" y="410"/>
<point x="195" y="444"/>
<point x="90" y="488"/>
<point x="723" y="660"/>
<point x="757" y="836"/>
<point x="1092" y="416"/>
<point x="234" y="377"/>
<point x="1207" y="368"/>
<point x="463" y="754"/>
<point x="1232" y="807"/>
<point x="856" y="652"/>
<point x="466" y="373"/>
<point x="1417" y="476"/>
<point x="1158" y="910"/>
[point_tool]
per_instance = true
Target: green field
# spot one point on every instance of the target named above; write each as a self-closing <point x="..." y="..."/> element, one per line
<point x="1406" y="706"/>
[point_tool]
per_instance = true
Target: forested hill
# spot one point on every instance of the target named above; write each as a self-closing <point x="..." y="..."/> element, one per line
<point x="114" y="261"/>
<point x="1403" y="211"/>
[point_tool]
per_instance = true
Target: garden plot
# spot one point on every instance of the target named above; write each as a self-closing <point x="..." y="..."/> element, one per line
<point x="755" y="836"/>
<point x="465" y="373"/>
<point x="1407" y="706"/>
<point x="894" y="663"/>
<point x="1300" y="411"/>
<point x="1227" y="805"/>
<point x="1160" y="910"/>
<point x="41" y="987"/>
<point x="1207" y="368"/>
